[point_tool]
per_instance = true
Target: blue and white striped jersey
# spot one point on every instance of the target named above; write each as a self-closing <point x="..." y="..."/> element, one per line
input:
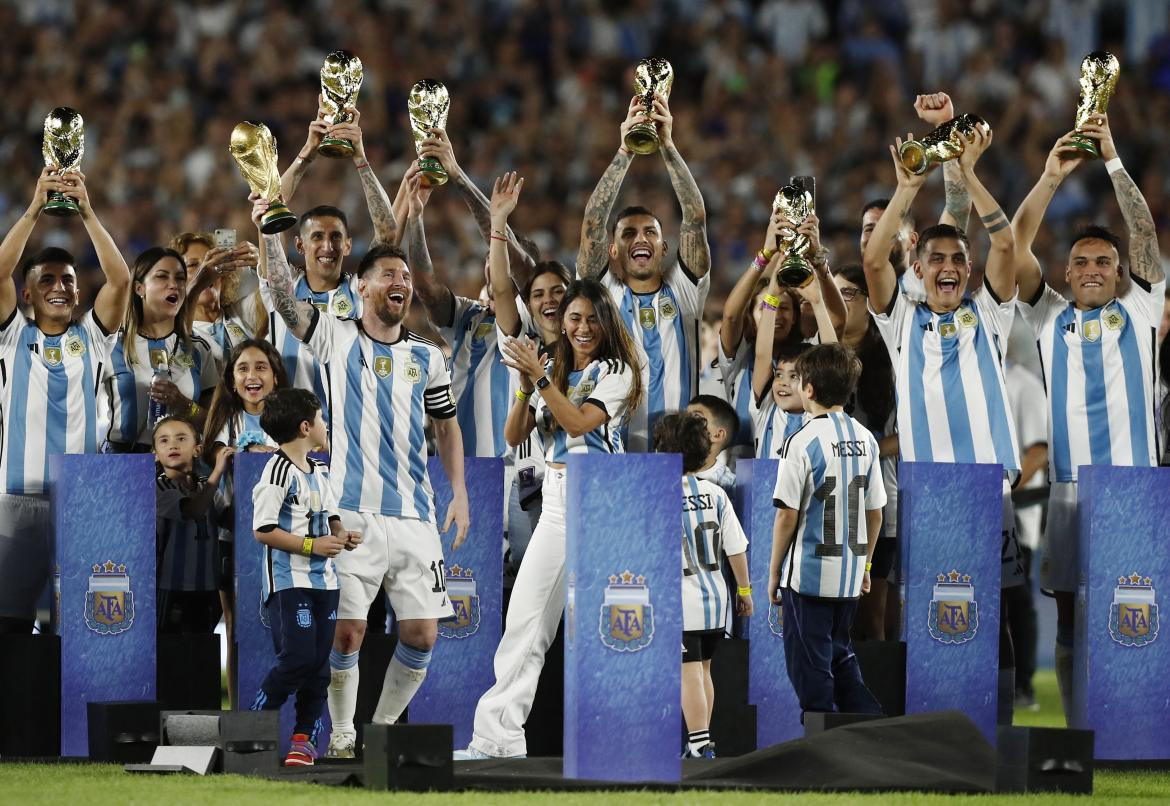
<point x="186" y="549"/>
<point x="381" y="396"/>
<point x="604" y="383"/>
<point x="483" y="387"/>
<point x="710" y="529"/>
<point x="773" y="426"/>
<point x="665" y="326"/>
<point x="831" y="475"/>
<point x="736" y="372"/>
<point x="1100" y="369"/>
<point x="952" y="406"/>
<point x="301" y="504"/>
<point x="48" y="397"/>
<point x="222" y="335"/>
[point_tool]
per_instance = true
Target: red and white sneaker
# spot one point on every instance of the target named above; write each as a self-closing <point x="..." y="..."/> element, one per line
<point x="301" y="752"/>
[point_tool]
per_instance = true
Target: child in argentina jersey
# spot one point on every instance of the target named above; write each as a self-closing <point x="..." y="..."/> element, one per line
<point x="779" y="412"/>
<point x="605" y="383"/>
<point x="48" y="396"/>
<point x="710" y="530"/>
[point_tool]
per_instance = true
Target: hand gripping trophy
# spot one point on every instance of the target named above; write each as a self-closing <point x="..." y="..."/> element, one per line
<point x="62" y="147"/>
<point x="1099" y="71"/>
<point x="428" y="105"/>
<point x="946" y="142"/>
<point x="794" y="202"/>
<point x="341" y="81"/>
<point x="254" y="149"/>
<point x="650" y="76"/>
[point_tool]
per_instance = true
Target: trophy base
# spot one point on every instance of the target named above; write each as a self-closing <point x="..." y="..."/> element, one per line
<point x="1086" y="145"/>
<point x="60" y="205"/>
<point x="432" y="174"/>
<point x="277" y="219"/>
<point x="795" y="272"/>
<point x="642" y="139"/>
<point x="335" y="148"/>
<point x="912" y="155"/>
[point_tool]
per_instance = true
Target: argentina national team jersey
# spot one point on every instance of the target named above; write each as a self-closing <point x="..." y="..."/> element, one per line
<point x="952" y="406"/>
<point x="830" y="474"/>
<point x="710" y="530"/>
<point x="736" y="372"/>
<point x="48" y="396"/>
<point x="603" y="383"/>
<point x="222" y="335"/>
<point x="1100" y="370"/>
<point x="665" y="326"/>
<point x="382" y="395"/>
<point x="482" y="385"/>
<point x="301" y="504"/>
<point x="186" y="548"/>
<point x="773" y="425"/>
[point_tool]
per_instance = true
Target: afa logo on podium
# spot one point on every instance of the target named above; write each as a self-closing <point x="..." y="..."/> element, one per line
<point x="1133" y="615"/>
<point x="109" y="602"/>
<point x="465" y="601"/>
<point x="954" y="613"/>
<point x="627" y="617"/>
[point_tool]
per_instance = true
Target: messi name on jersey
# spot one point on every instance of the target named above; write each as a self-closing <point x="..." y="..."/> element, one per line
<point x="627" y="617"/>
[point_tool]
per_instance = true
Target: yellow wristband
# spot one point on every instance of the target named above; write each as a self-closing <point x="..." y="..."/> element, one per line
<point x="744" y="591"/>
<point x="772" y="300"/>
<point x="768" y="253"/>
<point x="869" y="566"/>
<point x="193" y="412"/>
<point x="307" y="547"/>
<point x="522" y="396"/>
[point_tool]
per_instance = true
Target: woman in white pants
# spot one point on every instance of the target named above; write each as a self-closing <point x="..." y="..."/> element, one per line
<point x="578" y="402"/>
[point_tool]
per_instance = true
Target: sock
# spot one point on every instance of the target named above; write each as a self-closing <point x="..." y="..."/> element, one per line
<point x="404" y="675"/>
<point x="697" y="740"/>
<point x="343" y="690"/>
<point x="1064" y="673"/>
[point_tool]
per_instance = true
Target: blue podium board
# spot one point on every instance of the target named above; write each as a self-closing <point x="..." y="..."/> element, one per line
<point x="777" y="708"/>
<point x="103" y="519"/>
<point x="461" y="666"/>
<point x="623" y="629"/>
<point x="950" y="520"/>
<point x="1121" y="687"/>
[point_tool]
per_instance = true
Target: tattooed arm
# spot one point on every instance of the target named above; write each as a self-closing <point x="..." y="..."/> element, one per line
<point x="294" y="173"/>
<point x="435" y="294"/>
<point x="378" y="202"/>
<point x="593" y="254"/>
<point x="693" y="250"/>
<point x="957" y="211"/>
<point x="296" y="314"/>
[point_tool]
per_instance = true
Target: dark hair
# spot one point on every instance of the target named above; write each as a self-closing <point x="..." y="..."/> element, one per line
<point x="529" y="247"/>
<point x="942" y="231"/>
<point x="833" y="370"/>
<point x="750" y="329"/>
<point x="1095" y="232"/>
<point x="174" y="418"/>
<point x="723" y="413"/>
<point x="875" y="387"/>
<point x="133" y="319"/>
<point x="882" y="204"/>
<point x="791" y="352"/>
<point x="226" y="403"/>
<point x="324" y="211"/>
<point x="284" y="411"/>
<point x="546" y="267"/>
<point x="683" y="433"/>
<point x="50" y="254"/>
<point x="376" y="253"/>
<point x="626" y="212"/>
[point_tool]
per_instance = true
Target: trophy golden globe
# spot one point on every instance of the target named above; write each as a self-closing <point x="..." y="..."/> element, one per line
<point x="341" y="80"/>
<point x="254" y="149"/>
<point x="62" y="148"/>
<point x="1099" y="71"/>
<point x="946" y="142"/>
<point x="794" y="203"/>
<point x="428" y="105"/>
<point x="650" y="76"/>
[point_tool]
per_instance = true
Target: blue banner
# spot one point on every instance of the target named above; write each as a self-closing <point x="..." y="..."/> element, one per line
<point x="1121" y="687"/>
<point x="623" y="629"/>
<point x="950" y="520"/>
<point x="103" y="517"/>
<point x="461" y="666"/>
<point x="777" y="708"/>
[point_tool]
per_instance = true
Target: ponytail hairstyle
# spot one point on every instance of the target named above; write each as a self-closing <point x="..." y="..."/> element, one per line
<point x="133" y="319"/>
<point x="226" y="403"/>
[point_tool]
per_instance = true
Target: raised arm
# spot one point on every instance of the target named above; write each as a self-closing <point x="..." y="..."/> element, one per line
<point x="829" y="294"/>
<point x="505" y="195"/>
<point x="814" y="294"/>
<point x="274" y="267"/>
<point x="12" y="247"/>
<point x="738" y="305"/>
<point x="766" y="331"/>
<point x="294" y="173"/>
<point x="880" y="275"/>
<point x="999" y="269"/>
<point x="377" y="200"/>
<point x="936" y="108"/>
<point x="110" y="305"/>
<point x="433" y="292"/>
<point x="693" y="250"/>
<point x="1026" y="223"/>
<point x="593" y="254"/>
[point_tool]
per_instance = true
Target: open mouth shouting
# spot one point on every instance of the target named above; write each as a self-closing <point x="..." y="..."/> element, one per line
<point x="642" y="255"/>
<point x="947" y="285"/>
<point x="174" y="298"/>
<point x="253" y="390"/>
<point x="397" y="297"/>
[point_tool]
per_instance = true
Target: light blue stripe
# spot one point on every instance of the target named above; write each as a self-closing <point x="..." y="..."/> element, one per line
<point x="353" y="402"/>
<point x="916" y="369"/>
<point x="418" y="439"/>
<point x="88" y="393"/>
<point x="1061" y="450"/>
<point x="391" y="497"/>
<point x="125" y="395"/>
<point x="57" y="406"/>
<point x="953" y="393"/>
<point x="686" y="374"/>
<point x="1140" y="408"/>
<point x="16" y="419"/>
<point x="652" y="344"/>
<point x="813" y="533"/>
<point x="1096" y="410"/>
<point x="318" y="527"/>
<point x="990" y="366"/>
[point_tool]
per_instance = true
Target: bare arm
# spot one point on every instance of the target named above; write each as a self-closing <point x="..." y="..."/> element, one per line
<point x="12" y="247"/>
<point x="449" y="442"/>
<point x="766" y="333"/>
<point x="693" y="250"/>
<point x="818" y="256"/>
<point x="294" y="173"/>
<point x="110" y="304"/>
<point x="873" y="530"/>
<point x="505" y="195"/>
<point x="378" y="202"/>
<point x="1000" y="270"/>
<point x="296" y="314"/>
<point x="738" y="304"/>
<point x="593" y="254"/>
<point x="782" y="531"/>
<point x="743" y="579"/>
<point x="957" y="211"/>
<point x="520" y="420"/>
<point x="880" y="275"/>
<point x="1033" y="460"/>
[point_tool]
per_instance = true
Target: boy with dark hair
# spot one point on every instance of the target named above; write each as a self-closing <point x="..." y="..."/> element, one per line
<point x="296" y="519"/>
<point x="722" y="426"/>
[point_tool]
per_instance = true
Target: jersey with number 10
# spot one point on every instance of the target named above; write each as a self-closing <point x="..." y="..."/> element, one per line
<point x="710" y="530"/>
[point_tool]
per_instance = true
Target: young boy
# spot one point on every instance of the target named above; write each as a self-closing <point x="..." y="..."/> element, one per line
<point x="830" y="484"/>
<point x="295" y="517"/>
<point x="186" y="528"/>
<point x="722" y="426"/>
<point x="779" y="411"/>
<point x="709" y="529"/>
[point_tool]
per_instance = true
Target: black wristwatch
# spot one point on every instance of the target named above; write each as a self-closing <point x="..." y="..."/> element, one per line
<point x="543" y="383"/>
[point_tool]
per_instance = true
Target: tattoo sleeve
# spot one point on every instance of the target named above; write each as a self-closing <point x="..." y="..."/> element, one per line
<point x="1145" y="258"/>
<point x="416" y="246"/>
<point x="693" y="249"/>
<point x="958" y="203"/>
<point x="378" y="202"/>
<point x="591" y="256"/>
<point x="280" y="284"/>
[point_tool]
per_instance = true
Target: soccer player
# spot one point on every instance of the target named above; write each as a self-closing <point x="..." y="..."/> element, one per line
<point x="722" y="425"/>
<point x="53" y="364"/>
<point x="295" y="518"/>
<point x="829" y="498"/>
<point x="660" y="306"/>
<point x="1098" y="354"/>
<point x="948" y="347"/>
<point x="387" y="382"/>
<point x="710" y="530"/>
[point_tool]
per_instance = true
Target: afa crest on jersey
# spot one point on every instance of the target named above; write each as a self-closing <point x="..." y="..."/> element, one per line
<point x="1133" y="615"/>
<point x="954" y="613"/>
<point x="776" y="619"/>
<point x="109" y="602"/>
<point x="74" y="346"/>
<point x="627" y="617"/>
<point x="461" y="591"/>
<point x="342" y="307"/>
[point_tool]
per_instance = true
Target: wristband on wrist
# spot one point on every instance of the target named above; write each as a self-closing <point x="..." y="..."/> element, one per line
<point x="744" y="590"/>
<point x="193" y="411"/>
<point x="498" y="238"/>
<point x="767" y="306"/>
<point x="361" y="166"/>
<point x="307" y="546"/>
<point x="761" y="261"/>
<point x="772" y="300"/>
<point x="869" y="566"/>
<point x="522" y="396"/>
<point x="1114" y="165"/>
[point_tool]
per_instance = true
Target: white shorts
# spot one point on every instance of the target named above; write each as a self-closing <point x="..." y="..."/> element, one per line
<point x="402" y="555"/>
<point x="1059" y="568"/>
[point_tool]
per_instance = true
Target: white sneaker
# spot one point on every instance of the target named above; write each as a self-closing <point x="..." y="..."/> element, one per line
<point x="340" y="746"/>
<point x="471" y="754"/>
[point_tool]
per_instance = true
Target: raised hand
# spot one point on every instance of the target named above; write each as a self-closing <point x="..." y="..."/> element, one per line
<point x="905" y="178"/>
<point x="505" y="195"/>
<point x="977" y="143"/>
<point x="1098" y="128"/>
<point x="417" y="194"/>
<point x="520" y="354"/>
<point x="1063" y="158"/>
<point x="438" y="146"/>
<point x="352" y="131"/>
<point x="661" y="116"/>
<point x="811" y="229"/>
<point x="259" y="208"/>
<point x="635" y="114"/>
<point x="317" y="129"/>
<point x="934" y="108"/>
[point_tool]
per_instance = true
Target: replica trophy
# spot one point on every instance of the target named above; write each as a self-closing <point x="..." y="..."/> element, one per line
<point x="944" y="143"/>
<point x="427" y="106"/>
<point x="650" y="76"/>
<point x="254" y="149"/>
<point x="341" y="80"/>
<point x="1099" y="72"/>
<point x="795" y="201"/>
<point x="62" y="147"/>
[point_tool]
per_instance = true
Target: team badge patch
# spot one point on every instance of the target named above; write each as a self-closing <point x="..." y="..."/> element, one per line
<point x="383" y="366"/>
<point x="1113" y="320"/>
<point x="74" y="346"/>
<point x="647" y="318"/>
<point x="954" y="613"/>
<point x="464" y="599"/>
<point x="109" y="602"/>
<point x="413" y="372"/>
<point x="947" y="330"/>
<point x="304" y="617"/>
<point x="776" y="619"/>
<point x="53" y="356"/>
<point x="966" y="318"/>
<point x="183" y="360"/>
<point x="1133" y="616"/>
<point x="236" y="332"/>
<point x="342" y="307"/>
<point x="321" y="306"/>
<point x="667" y="309"/>
<point x="159" y="358"/>
<point x="627" y="617"/>
<point x="1091" y="330"/>
<point x="483" y="331"/>
<point x="586" y="388"/>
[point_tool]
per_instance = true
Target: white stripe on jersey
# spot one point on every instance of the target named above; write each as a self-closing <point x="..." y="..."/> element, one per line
<point x="222" y="335"/>
<point x="736" y="372"/>
<point x="48" y="397"/>
<point x="1100" y="372"/>
<point x="301" y="504"/>
<point x="773" y="425"/>
<point x="665" y="326"/>
<point x="382" y="394"/>
<point x="831" y="475"/>
<point x="952" y="406"/>
<point x="604" y="382"/>
<point x="709" y="530"/>
<point x="482" y="386"/>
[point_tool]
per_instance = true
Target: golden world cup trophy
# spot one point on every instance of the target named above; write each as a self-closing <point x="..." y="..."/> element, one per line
<point x="650" y="76"/>
<point x="1099" y="71"/>
<point x="341" y="81"/>
<point x="794" y="202"/>
<point x="428" y="105"/>
<point x="254" y="149"/>
<point x="62" y="147"/>
<point x="946" y="142"/>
